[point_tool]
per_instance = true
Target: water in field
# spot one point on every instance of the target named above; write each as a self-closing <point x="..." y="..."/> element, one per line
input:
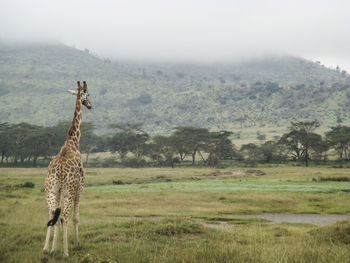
<point x="314" y="219"/>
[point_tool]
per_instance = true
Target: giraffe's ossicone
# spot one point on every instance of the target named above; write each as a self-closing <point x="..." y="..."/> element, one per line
<point x="65" y="179"/>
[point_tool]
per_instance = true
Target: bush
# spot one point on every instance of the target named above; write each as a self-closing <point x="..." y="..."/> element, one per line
<point x="172" y="227"/>
<point x="335" y="179"/>
<point x="134" y="162"/>
<point x="28" y="185"/>
<point x="118" y="182"/>
<point x="108" y="162"/>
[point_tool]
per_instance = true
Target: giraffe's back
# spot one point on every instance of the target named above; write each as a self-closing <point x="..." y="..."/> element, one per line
<point x="67" y="169"/>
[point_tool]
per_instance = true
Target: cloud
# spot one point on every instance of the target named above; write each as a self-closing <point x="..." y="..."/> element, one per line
<point x="185" y="30"/>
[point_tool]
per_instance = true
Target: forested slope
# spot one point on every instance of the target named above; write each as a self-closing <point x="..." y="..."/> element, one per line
<point x="256" y="93"/>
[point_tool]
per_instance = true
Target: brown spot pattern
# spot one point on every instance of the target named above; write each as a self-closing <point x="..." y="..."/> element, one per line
<point x="65" y="171"/>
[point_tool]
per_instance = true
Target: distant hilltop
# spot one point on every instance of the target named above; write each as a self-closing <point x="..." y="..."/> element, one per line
<point x="269" y="91"/>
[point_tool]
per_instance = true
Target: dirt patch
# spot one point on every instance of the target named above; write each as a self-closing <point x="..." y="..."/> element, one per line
<point x="313" y="219"/>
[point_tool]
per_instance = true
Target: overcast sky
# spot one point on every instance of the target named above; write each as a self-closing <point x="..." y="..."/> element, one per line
<point x="186" y="30"/>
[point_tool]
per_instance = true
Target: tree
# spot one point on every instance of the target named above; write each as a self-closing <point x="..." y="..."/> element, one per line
<point x="299" y="139"/>
<point x="189" y="139"/>
<point x="89" y="141"/>
<point x="305" y="128"/>
<point x="218" y="146"/>
<point x="120" y="143"/>
<point x="5" y="141"/>
<point x="128" y="138"/>
<point x="35" y="144"/>
<point x="58" y="136"/>
<point x="268" y="151"/>
<point x="293" y="142"/>
<point x="318" y="146"/>
<point x="252" y="153"/>
<point x="165" y="147"/>
<point x="18" y="134"/>
<point x="339" y="139"/>
<point x="225" y="149"/>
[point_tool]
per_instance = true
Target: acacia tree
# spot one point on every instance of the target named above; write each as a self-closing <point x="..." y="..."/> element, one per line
<point x="252" y="153"/>
<point x="218" y="146"/>
<point x="301" y="139"/>
<point x="270" y="152"/>
<point x="35" y="144"/>
<point x="318" y="146"/>
<point x="89" y="141"/>
<point x="164" y="147"/>
<point x="339" y="139"/>
<point x="5" y="141"/>
<point x="18" y="133"/>
<point x="306" y="128"/>
<point x="293" y="141"/>
<point x="128" y="138"/>
<point x="119" y="143"/>
<point x="190" y="139"/>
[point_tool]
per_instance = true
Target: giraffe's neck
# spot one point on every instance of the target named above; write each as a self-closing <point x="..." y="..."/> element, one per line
<point x="73" y="136"/>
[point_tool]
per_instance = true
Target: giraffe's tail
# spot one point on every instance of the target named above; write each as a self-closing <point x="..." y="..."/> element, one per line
<point x="57" y="213"/>
<point x="53" y="221"/>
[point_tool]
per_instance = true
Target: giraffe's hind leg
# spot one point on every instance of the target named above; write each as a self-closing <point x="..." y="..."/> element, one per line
<point x="76" y="221"/>
<point x="68" y="203"/>
<point x="47" y="240"/>
<point x="55" y="235"/>
<point x="52" y="198"/>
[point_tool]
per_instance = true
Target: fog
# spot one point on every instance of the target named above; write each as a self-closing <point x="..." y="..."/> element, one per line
<point x="191" y="31"/>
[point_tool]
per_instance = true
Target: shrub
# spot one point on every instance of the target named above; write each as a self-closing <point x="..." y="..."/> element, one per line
<point x="172" y="227"/>
<point x="108" y="162"/>
<point x="134" y="162"/>
<point x="28" y="185"/>
<point x="118" y="182"/>
<point x="335" y="179"/>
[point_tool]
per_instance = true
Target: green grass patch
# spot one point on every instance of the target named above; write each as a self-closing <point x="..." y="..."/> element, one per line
<point x="228" y="186"/>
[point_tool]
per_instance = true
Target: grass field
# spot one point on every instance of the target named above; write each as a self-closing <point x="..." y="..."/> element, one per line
<point x="167" y="221"/>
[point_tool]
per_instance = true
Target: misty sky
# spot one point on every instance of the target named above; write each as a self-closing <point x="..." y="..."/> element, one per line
<point x="197" y="31"/>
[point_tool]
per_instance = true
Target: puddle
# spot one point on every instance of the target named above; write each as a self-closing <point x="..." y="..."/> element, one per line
<point x="313" y="219"/>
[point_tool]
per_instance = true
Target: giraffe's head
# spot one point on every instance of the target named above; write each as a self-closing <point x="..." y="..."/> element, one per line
<point x="84" y="94"/>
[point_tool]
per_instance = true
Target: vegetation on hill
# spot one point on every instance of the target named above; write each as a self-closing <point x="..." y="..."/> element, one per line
<point x="264" y="92"/>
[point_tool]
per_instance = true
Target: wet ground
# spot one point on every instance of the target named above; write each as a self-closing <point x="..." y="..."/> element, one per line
<point x="313" y="219"/>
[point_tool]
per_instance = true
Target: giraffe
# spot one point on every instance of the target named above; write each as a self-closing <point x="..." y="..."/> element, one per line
<point x="65" y="178"/>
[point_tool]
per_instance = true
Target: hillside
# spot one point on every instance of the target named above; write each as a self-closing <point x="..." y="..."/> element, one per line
<point x="268" y="92"/>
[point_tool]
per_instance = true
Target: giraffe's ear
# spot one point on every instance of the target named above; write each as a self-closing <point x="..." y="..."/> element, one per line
<point x="73" y="92"/>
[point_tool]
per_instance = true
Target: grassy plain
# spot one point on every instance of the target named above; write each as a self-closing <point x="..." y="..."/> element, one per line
<point x="167" y="221"/>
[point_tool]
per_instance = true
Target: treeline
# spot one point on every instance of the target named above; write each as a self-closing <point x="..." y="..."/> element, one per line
<point x="23" y="144"/>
